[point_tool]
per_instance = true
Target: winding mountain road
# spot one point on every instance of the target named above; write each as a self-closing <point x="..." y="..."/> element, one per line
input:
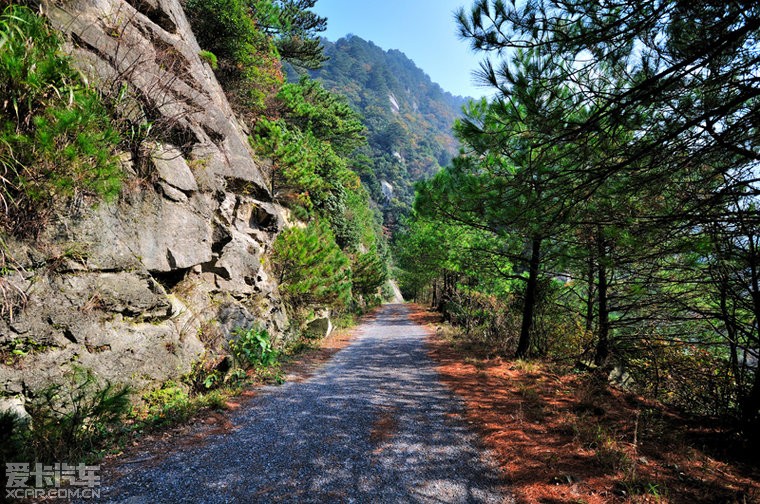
<point x="373" y="425"/>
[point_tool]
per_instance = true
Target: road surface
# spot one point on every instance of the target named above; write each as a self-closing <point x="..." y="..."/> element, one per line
<point x="373" y="425"/>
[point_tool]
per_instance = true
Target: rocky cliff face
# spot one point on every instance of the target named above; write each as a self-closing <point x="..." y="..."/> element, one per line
<point x="136" y="290"/>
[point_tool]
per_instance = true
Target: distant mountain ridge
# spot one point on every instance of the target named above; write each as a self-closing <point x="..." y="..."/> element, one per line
<point x="409" y="118"/>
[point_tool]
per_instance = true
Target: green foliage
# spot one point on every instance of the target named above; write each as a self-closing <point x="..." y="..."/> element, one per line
<point x="406" y="143"/>
<point x="601" y="187"/>
<point x="224" y="27"/>
<point x="209" y="58"/>
<point x="17" y="348"/>
<point x="207" y="373"/>
<point x="253" y="348"/>
<point x="71" y="420"/>
<point x="370" y="272"/>
<point x="248" y="64"/>
<point x="309" y="143"/>
<point x="294" y="29"/>
<point x="308" y="106"/>
<point x="311" y="268"/>
<point x="173" y="403"/>
<point x="310" y="134"/>
<point x="13" y="433"/>
<point x="303" y="162"/>
<point x="355" y="224"/>
<point x="56" y="136"/>
<point x="168" y="404"/>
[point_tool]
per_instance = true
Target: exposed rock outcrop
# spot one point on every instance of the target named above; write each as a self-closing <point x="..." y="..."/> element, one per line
<point x="133" y="289"/>
<point x="320" y="326"/>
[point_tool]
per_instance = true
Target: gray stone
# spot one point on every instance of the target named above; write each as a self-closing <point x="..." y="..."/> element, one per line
<point x="127" y="164"/>
<point x="141" y="354"/>
<point x="154" y="49"/>
<point x="15" y="406"/>
<point x="172" y="193"/>
<point x="172" y="168"/>
<point x="130" y="294"/>
<point x="227" y="208"/>
<point x="318" y="328"/>
<point x="397" y="296"/>
<point x="196" y="216"/>
<point x="252" y="215"/>
<point x="387" y="189"/>
<point x="240" y="260"/>
<point x="11" y="382"/>
<point x="144" y="230"/>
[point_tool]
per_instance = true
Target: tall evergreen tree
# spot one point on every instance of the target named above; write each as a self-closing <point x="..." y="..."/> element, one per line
<point x="679" y="79"/>
<point x="295" y="28"/>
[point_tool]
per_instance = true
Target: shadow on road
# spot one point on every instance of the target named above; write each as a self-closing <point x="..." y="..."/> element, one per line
<point x="374" y="425"/>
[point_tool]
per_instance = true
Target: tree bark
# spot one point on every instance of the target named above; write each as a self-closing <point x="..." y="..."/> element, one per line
<point x="434" y="300"/>
<point x="751" y="412"/>
<point x="529" y="306"/>
<point x="590" y="295"/>
<point x="603" y="343"/>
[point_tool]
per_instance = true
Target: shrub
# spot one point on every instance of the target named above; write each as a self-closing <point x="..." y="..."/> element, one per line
<point x="370" y="272"/>
<point x="311" y="268"/>
<point x="208" y="372"/>
<point x="249" y="67"/>
<point x="486" y="320"/>
<point x="310" y="144"/>
<point x="168" y="404"/>
<point x="12" y="428"/>
<point x="253" y="347"/>
<point x="173" y="404"/>
<point x="56" y="136"/>
<point x="300" y="160"/>
<point x="209" y="58"/>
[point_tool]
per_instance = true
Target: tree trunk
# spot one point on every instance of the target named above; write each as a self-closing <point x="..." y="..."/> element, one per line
<point x="445" y="296"/>
<point x="523" y="345"/>
<point x="434" y="297"/>
<point x="729" y="322"/>
<point x="751" y="412"/>
<point x="590" y="295"/>
<point x="603" y="343"/>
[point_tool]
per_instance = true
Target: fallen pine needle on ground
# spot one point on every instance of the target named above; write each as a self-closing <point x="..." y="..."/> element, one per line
<point x="564" y="437"/>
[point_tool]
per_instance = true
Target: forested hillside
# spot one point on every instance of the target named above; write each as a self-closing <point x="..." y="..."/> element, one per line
<point x="174" y="215"/>
<point x="409" y="118"/>
<point x="192" y="191"/>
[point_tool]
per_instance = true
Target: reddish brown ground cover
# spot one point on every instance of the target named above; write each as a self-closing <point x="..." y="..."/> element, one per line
<point x="562" y="437"/>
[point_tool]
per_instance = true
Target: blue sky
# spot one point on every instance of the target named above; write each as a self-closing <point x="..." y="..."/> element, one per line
<point x="424" y="30"/>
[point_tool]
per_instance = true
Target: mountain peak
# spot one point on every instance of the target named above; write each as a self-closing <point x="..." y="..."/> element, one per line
<point x="407" y="115"/>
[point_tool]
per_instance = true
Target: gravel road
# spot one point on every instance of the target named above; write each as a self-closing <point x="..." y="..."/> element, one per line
<point x="373" y="425"/>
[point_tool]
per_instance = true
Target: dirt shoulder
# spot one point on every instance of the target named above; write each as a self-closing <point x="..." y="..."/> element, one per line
<point x="561" y="437"/>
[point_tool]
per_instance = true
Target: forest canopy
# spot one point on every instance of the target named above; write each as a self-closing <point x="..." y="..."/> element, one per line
<point x="612" y="182"/>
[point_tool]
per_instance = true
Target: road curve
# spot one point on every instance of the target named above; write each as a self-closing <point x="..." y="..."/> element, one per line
<point x="373" y="425"/>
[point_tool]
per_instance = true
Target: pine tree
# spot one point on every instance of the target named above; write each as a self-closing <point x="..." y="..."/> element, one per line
<point x="311" y="269"/>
